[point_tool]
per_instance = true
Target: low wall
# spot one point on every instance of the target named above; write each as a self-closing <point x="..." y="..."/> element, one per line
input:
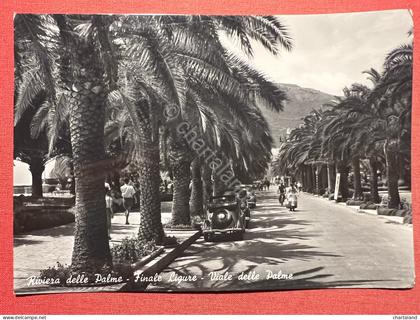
<point x="41" y="214"/>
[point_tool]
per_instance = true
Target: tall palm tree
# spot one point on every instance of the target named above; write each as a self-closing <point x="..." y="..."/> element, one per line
<point x="397" y="79"/>
<point x="85" y="81"/>
<point x="33" y="83"/>
<point x="188" y="66"/>
<point x="390" y="102"/>
<point x="69" y="52"/>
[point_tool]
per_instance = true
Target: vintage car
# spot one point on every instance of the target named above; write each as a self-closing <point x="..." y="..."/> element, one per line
<point x="251" y="196"/>
<point x="225" y="219"/>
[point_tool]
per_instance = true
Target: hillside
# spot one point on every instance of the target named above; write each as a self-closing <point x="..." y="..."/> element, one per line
<point x="301" y="102"/>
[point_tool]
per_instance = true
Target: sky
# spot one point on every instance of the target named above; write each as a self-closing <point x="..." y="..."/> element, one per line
<point x="331" y="50"/>
<point x="22" y="175"/>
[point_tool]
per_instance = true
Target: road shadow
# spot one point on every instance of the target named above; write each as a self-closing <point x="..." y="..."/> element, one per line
<point x="275" y="237"/>
<point x="314" y="278"/>
<point x="23" y="241"/>
<point x="43" y="235"/>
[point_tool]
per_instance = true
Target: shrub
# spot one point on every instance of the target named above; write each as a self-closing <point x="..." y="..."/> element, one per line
<point x="131" y="250"/>
<point x="384" y="201"/>
<point x="354" y="202"/>
<point x="369" y="205"/>
<point x="169" y="225"/>
<point x="197" y="222"/>
<point x="408" y="218"/>
<point x="393" y="212"/>
<point x="63" y="273"/>
<point x="405" y="205"/>
<point x="169" y="241"/>
<point x="59" y="271"/>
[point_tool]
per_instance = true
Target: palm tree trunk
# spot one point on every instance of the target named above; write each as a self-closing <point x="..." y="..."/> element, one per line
<point x="116" y="179"/>
<point x="196" y="200"/>
<point x="150" y="228"/>
<point x="407" y="171"/>
<point x="358" y="192"/>
<point x="181" y="196"/>
<point x="314" y="179"/>
<point x="36" y="167"/>
<point x="324" y="178"/>
<point x="87" y="119"/>
<point x="373" y="166"/>
<point x="207" y="186"/>
<point x="331" y="177"/>
<point x="218" y="185"/>
<point x="148" y="167"/>
<point x="180" y="163"/>
<point x="392" y="168"/>
<point x="317" y="170"/>
<point x="309" y="178"/>
<point x="343" y="169"/>
<point x="303" y="175"/>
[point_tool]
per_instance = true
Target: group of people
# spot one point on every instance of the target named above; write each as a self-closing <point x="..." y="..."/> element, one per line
<point x="289" y="194"/>
<point x="128" y="192"/>
<point x="263" y="185"/>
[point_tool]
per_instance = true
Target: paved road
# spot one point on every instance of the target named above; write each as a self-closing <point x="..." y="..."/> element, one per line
<point x="321" y="245"/>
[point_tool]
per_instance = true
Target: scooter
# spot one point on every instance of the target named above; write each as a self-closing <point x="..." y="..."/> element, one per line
<point x="292" y="202"/>
<point x="282" y="197"/>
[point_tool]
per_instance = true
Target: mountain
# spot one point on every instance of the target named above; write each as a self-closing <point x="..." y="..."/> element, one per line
<point x="301" y="101"/>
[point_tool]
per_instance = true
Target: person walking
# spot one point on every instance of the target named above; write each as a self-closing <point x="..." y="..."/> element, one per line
<point x="109" y="211"/>
<point x="127" y="192"/>
<point x="299" y="186"/>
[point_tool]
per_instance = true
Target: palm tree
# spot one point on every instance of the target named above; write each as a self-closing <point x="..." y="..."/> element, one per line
<point x="188" y="67"/>
<point x="397" y="79"/>
<point x="33" y="83"/>
<point x="73" y="55"/>
<point x="390" y="120"/>
<point x="355" y="107"/>
<point x="301" y="151"/>
<point x="86" y="92"/>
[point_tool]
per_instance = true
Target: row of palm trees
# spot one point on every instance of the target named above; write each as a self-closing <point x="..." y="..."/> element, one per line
<point x="369" y="125"/>
<point x="98" y="88"/>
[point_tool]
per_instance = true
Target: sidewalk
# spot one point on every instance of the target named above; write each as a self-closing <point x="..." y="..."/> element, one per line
<point x="41" y="249"/>
<point x="356" y="209"/>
